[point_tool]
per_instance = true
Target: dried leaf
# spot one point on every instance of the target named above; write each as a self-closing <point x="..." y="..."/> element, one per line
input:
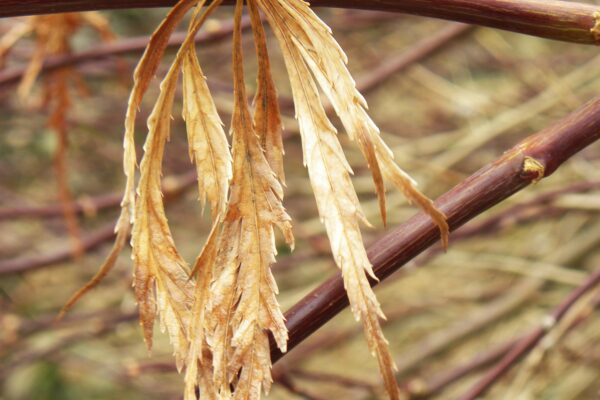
<point x="405" y="183"/>
<point x="330" y="178"/>
<point x="99" y="24"/>
<point x="219" y="324"/>
<point x="53" y="35"/>
<point x="209" y="149"/>
<point x="31" y="73"/>
<point x="198" y="365"/>
<point x="11" y="37"/>
<point x="267" y="117"/>
<point x="244" y="305"/>
<point x="327" y="62"/>
<point x="143" y="74"/>
<point x="161" y="276"/>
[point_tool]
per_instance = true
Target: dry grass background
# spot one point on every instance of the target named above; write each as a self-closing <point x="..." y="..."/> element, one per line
<point x="444" y="117"/>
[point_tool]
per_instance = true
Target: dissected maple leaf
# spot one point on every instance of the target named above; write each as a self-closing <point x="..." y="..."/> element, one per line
<point x="199" y="359"/>
<point x="337" y="202"/>
<point x="327" y="62"/>
<point x="209" y="149"/>
<point x="244" y="307"/>
<point x="267" y="117"/>
<point x="219" y="317"/>
<point x="161" y="276"/>
<point x="142" y="76"/>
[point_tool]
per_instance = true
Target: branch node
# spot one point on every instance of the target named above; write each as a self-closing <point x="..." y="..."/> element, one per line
<point x="533" y="168"/>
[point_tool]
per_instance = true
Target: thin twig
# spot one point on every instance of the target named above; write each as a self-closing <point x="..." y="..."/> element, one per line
<point x="89" y="241"/>
<point x="420" y="388"/>
<point x="287" y="382"/>
<point x="424" y="48"/>
<point x="134" y="45"/>
<point x="337" y="379"/>
<point x="479" y="320"/>
<point x="91" y="205"/>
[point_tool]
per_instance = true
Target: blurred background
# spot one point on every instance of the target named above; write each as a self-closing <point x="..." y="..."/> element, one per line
<point x="448" y="98"/>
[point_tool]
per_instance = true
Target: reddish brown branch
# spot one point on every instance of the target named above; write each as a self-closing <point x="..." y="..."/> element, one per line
<point x="560" y="20"/>
<point x="482" y="190"/>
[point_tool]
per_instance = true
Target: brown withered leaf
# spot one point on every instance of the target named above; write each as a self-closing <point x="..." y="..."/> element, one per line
<point x="267" y="117"/>
<point x="327" y="62"/>
<point x="142" y="76"/>
<point x="244" y="305"/>
<point x="161" y="280"/>
<point x="53" y="35"/>
<point x="208" y="145"/>
<point x="99" y="24"/>
<point x="198" y="365"/>
<point x="11" y="37"/>
<point x="210" y="152"/>
<point x="219" y="319"/>
<point x="330" y="178"/>
<point x="161" y="276"/>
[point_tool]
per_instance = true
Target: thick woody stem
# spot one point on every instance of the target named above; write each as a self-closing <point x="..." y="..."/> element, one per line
<point x="534" y="158"/>
<point x="553" y="19"/>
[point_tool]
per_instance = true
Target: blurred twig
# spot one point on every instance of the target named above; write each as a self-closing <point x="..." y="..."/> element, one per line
<point x="88" y="205"/>
<point x="526" y="344"/>
<point x="425" y="388"/>
<point x="479" y="320"/>
<point x="395" y="64"/>
<point x="569" y="253"/>
<point x="172" y="191"/>
<point x="95" y="329"/>
<point x="135" y="45"/>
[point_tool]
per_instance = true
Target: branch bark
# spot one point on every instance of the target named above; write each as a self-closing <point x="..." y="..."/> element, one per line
<point x="534" y="158"/>
<point x="553" y="19"/>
